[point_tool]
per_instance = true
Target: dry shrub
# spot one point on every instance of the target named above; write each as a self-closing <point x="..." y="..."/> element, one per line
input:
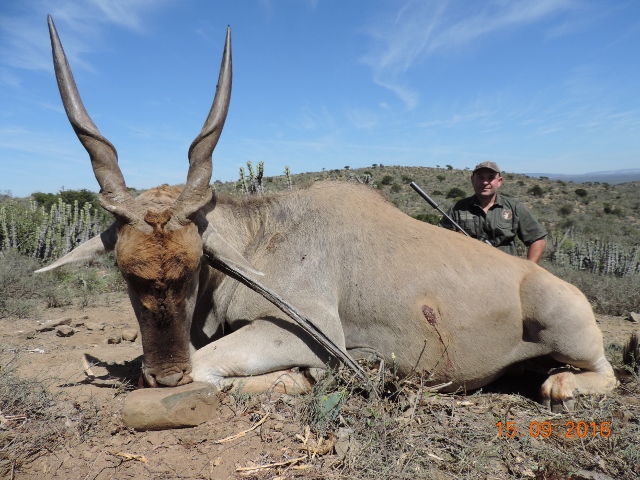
<point x="608" y="295"/>
<point x="35" y="421"/>
<point x="21" y="291"/>
<point x="411" y="432"/>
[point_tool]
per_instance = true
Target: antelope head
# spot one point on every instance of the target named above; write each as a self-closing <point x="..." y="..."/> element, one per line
<point x="159" y="240"/>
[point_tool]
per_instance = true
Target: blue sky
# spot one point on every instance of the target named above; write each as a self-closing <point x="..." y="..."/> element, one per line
<point x="538" y="86"/>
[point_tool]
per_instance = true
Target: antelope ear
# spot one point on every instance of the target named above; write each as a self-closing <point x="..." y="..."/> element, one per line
<point x="89" y="250"/>
<point x="219" y="250"/>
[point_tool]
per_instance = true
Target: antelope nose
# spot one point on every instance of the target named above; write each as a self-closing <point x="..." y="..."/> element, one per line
<point x="170" y="380"/>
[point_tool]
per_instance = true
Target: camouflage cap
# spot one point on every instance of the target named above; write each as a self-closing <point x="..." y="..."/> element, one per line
<point x="490" y="165"/>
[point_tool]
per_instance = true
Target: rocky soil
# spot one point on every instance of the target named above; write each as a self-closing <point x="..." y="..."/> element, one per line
<point x="93" y="368"/>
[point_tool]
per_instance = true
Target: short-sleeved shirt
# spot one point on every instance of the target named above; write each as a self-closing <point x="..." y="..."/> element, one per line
<point x="506" y="219"/>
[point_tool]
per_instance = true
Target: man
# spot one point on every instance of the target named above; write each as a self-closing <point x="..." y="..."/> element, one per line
<point x="491" y="217"/>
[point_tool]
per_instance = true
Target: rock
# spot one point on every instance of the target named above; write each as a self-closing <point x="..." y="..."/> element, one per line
<point x="30" y="335"/>
<point x="173" y="407"/>
<point x="65" y="331"/>
<point x="94" y="326"/>
<point x="344" y="441"/>
<point x="129" y="334"/>
<point x="51" y="324"/>
<point x="634" y="317"/>
<point x="114" y="338"/>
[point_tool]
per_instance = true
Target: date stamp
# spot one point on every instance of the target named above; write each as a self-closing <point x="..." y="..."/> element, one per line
<point x="571" y="430"/>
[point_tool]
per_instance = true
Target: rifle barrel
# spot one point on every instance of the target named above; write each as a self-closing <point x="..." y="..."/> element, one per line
<point x="432" y="202"/>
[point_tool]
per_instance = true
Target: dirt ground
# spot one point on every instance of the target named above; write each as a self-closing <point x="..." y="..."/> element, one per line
<point x="109" y="450"/>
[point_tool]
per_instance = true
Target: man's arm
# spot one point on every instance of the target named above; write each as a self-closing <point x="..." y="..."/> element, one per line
<point x="536" y="249"/>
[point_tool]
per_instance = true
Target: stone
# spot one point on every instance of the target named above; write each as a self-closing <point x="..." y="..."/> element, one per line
<point x="634" y="317"/>
<point x="78" y="322"/>
<point x="30" y="335"/>
<point x="114" y="339"/>
<point x="129" y="334"/>
<point x="94" y="326"/>
<point x="172" y="407"/>
<point x="65" y="331"/>
<point x="51" y="324"/>
<point x="344" y="441"/>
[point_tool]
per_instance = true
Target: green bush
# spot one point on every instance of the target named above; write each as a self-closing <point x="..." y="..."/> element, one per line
<point x="566" y="209"/>
<point x="386" y="180"/>
<point x="33" y="232"/>
<point x="456" y="192"/>
<point x="536" y="191"/>
<point x="581" y="192"/>
<point x="395" y="188"/>
<point x="47" y="200"/>
<point x="431" y="218"/>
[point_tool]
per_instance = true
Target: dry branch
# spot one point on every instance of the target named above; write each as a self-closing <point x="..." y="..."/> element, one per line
<point x="243" y="433"/>
<point x="271" y="465"/>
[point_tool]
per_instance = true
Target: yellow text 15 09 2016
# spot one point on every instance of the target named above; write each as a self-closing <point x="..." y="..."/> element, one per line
<point x="571" y="429"/>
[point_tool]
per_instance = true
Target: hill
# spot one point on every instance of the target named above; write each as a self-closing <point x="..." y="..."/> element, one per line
<point x="610" y="213"/>
<point x="609" y="176"/>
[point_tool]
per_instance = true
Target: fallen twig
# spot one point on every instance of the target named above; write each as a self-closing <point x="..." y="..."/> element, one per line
<point x="129" y="456"/>
<point x="243" y="433"/>
<point x="435" y="388"/>
<point x="322" y="448"/>
<point x="271" y="465"/>
<point x="98" y="382"/>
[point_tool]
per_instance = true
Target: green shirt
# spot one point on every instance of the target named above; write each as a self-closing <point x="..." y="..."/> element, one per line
<point x="506" y="219"/>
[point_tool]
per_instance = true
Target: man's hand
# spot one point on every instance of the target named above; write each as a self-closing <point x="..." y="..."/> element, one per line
<point x="536" y="249"/>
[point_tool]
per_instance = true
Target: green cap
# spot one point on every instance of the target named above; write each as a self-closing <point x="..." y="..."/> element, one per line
<point x="490" y="165"/>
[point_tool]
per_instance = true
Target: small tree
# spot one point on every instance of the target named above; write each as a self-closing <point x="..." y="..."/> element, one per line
<point x="456" y="192"/>
<point x="386" y="180"/>
<point x="254" y="186"/>
<point x="536" y="191"/>
<point x="287" y="175"/>
<point x="449" y="167"/>
<point x="581" y="192"/>
<point x="566" y="209"/>
<point x="441" y="178"/>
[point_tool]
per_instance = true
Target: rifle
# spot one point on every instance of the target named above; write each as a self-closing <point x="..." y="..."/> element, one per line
<point x="431" y="202"/>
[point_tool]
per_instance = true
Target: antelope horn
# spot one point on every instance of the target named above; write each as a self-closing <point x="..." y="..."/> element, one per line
<point x="114" y="196"/>
<point x="196" y="192"/>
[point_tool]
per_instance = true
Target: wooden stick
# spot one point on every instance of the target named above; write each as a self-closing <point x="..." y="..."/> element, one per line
<point x="243" y="433"/>
<point x="294" y="314"/>
<point x="129" y="456"/>
<point x="271" y="465"/>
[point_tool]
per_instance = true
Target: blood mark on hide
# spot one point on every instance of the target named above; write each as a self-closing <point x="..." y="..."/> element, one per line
<point x="430" y="315"/>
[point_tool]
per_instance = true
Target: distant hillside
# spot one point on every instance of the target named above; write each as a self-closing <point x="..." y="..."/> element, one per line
<point x="596" y="208"/>
<point x="612" y="177"/>
<point x="600" y="209"/>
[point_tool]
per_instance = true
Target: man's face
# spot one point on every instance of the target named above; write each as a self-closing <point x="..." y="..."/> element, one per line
<point x="486" y="182"/>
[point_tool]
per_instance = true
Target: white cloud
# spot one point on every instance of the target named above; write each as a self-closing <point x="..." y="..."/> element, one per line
<point x="422" y="28"/>
<point x="26" y="44"/>
<point x="362" y="118"/>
